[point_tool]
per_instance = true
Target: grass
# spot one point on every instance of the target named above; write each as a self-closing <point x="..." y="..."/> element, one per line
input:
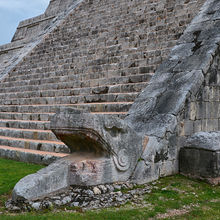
<point x="10" y="173"/>
<point x="173" y="197"/>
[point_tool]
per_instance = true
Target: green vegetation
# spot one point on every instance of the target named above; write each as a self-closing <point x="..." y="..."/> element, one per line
<point x="10" y="172"/>
<point x="173" y="197"/>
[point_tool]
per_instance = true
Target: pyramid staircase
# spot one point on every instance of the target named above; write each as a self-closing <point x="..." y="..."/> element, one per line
<point x="27" y="103"/>
<point x="77" y="65"/>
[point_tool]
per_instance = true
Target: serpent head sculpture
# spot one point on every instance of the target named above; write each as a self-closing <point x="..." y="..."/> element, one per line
<point x="104" y="149"/>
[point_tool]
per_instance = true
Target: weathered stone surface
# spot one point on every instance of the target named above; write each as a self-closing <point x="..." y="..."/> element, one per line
<point x="96" y="191"/>
<point x="200" y="157"/>
<point x="114" y="195"/>
<point x="205" y="140"/>
<point x="115" y="145"/>
<point x="157" y="160"/>
<point x="46" y="181"/>
<point x="36" y="206"/>
<point x="173" y="105"/>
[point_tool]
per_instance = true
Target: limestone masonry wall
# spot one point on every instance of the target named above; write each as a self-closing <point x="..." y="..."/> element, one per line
<point x="202" y="112"/>
<point x="181" y="98"/>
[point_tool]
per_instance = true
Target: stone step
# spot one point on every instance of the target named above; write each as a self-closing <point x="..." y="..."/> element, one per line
<point x="44" y="116"/>
<point x="25" y="124"/>
<point x="37" y="134"/>
<point x="29" y="156"/>
<point x="121" y="115"/>
<point x="85" y="72"/>
<point x="26" y="116"/>
<point x="70" y="84"/>
<point x="114" y="97"/>
<point x="93" y="107"/>
<point x="42" y="145"/>
<point x="28" y="134"/>
<point x="118" y="88"/>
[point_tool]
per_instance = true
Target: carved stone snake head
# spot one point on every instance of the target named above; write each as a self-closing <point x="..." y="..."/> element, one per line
<point x="103" y="148"/>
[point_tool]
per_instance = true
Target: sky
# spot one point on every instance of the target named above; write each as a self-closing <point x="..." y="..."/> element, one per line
<point x="14" y="11"/>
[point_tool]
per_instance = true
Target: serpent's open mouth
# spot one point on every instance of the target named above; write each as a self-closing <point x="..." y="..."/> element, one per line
<point x="83" y="140"/>
<point x="91" y="157"/>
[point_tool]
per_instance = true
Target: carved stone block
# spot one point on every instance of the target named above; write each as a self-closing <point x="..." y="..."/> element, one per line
<point x="200" y="158"/>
